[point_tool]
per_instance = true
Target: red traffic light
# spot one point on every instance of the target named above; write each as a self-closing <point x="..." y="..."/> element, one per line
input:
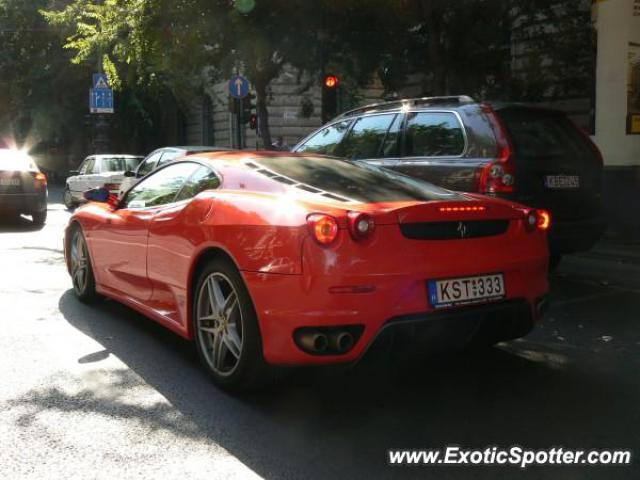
<point x="331" y="81"/>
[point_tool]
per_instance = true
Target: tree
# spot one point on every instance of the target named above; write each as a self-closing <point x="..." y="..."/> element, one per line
<point x="40" y="104"/>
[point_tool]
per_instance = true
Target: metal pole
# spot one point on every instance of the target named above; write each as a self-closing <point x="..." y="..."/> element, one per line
<point x="239" y="122"/>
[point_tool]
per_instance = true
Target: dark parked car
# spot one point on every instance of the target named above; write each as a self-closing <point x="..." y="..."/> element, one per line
<point x="534" y="156"/>
<point x="23" y="187"/>
<point x="156" y="159"/>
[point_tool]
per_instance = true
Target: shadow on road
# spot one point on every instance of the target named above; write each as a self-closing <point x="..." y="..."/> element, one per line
<point x="18" y="224"/>
<point x="340" y="423"/>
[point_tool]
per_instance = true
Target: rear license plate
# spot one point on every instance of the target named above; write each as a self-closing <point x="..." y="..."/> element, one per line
<point x="466" y="290"/>
<point x="9" y="182"/>
<point x="562" y="181"/>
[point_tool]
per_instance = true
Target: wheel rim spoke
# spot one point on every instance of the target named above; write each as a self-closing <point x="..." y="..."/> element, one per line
<point x="79" y="264"/>
<point x="219" y="323"/>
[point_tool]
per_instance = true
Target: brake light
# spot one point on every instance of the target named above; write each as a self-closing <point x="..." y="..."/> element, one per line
<point x="498" y="176"/>
<point x="462" y="209"/>
<point x="361" y="225"/>
<point x="538" y="220"/>
<point x="40" y="179"/>
<point x="324" y="228"/>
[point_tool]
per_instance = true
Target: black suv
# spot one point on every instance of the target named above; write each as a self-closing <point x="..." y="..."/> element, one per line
<point x="534" y="156"/>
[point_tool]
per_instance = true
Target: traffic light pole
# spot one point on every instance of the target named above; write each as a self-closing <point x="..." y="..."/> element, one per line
<point x="238" y="102"/>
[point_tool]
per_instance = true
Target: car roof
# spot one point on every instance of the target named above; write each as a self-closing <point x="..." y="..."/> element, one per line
<point x="193" y="148"/>
<point x="446" y="101"/>
<point x="114" y="155"/>
<point x="451" y="101"/>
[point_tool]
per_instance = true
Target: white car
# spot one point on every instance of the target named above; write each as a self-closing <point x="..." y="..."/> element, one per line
<point x="156" y="159"/>
<point x="98" y="171"/>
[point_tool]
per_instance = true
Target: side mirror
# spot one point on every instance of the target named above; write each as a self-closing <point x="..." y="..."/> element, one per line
<point x="97" y="195"/>
<point x="73" y="173"/>
<point x="129" y="174"/>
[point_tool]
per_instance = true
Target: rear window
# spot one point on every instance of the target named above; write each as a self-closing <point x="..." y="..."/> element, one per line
<point x="543" y="134"/>
<point x="354" y="180"/>
<point x="15" y="160"/>
<point x="119" y="164"/>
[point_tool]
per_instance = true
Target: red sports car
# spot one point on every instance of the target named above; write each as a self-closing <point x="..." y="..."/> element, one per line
<point x="270" y="259"/>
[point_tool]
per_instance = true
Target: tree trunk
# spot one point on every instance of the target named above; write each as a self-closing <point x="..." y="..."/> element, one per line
<point x="263" y="113"/>
<point x="436" y="61"/>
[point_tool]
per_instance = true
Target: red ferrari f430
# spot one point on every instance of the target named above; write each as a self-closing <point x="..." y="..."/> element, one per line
<point x="267" y="259"/>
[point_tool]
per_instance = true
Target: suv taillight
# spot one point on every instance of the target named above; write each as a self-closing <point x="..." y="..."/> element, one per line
<point x="40" y="179"/>
<point x="498" y="176"/>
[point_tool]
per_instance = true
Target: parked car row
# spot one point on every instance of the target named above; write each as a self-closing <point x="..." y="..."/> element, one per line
<point x="533" y="156"/>
<point x="267" y="259"/>
<point x="118" y="173"/>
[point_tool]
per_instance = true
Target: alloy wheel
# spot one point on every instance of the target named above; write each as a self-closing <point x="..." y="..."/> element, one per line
<point x="219" y="324"/>
<point x="79" y="263"/>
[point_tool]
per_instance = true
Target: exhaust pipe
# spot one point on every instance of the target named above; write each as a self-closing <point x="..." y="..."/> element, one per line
<point x="341" y="341"/>
<point x="314" y="342"/>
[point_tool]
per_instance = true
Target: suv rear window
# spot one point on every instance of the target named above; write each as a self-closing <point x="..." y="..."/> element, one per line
<point x="355" y="180"/>
<point x="540" y="133"/>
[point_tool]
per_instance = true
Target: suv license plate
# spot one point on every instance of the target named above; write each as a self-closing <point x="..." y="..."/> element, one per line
<point x="9" y="182"/>
<point x="466" y="290"/>
<point x="562" y="181"/>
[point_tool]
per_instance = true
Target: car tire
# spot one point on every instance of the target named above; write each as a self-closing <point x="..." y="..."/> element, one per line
<point x="84" y="283"/>
<point x="225" y="329"/>
<point x="39" y="218"/>
<point x="67" y="198"/>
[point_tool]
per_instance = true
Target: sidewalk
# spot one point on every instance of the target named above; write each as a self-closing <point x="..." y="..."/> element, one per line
<point x="614" y="251"/>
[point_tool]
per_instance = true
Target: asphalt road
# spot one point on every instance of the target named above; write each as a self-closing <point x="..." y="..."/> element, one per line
<point x="101" y="392"/>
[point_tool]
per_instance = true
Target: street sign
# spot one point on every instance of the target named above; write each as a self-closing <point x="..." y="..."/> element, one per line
<point x="100" y="80"/>
<point x="238" y="87"/>
<point x="100" y="96"/>
<point x="101" y="100"/>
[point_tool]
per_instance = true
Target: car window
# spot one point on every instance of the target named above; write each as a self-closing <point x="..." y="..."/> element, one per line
<point x="161" y="187"/>
<point x="326" y="140"/>
<point x="538" y="133"/>
<point x="433" y="134"/>
<point x="366" y="137"/>
<point x="202" y="179"/>
<point x="119" y="164"/>
<point x="169" y="155"/>
<point x="87" y="166"/>
<point x="148" y="164"/>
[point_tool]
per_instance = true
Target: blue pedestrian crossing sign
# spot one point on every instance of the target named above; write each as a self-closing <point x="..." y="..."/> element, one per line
<point x="100" y="96"/>
<point x="100" y="81"/>
<point x="238" y="87"/>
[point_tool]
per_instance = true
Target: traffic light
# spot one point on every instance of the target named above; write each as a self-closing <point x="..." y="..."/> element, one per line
<point x="330" y="90"/>
<point x="253" y="121"/>
<point x="248" y="108"/>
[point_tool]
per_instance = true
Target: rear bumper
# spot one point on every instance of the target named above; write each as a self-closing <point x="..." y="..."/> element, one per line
<point x="575" y="236"/>
<point x="23" y="202"/>
<point x="395" y="301"/>
<point x="482" y="325"/>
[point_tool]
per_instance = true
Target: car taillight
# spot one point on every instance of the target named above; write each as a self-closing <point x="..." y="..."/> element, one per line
<point x="361" y="225"/>
<point x="40" y="179"/>
<point x="498" y="176"/>
<point x="324" y="228"/>
<point x="538" y="220"/>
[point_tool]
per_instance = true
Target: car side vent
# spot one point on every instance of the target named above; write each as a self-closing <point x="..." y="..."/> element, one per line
<point x="456" y="230"/>
<point x="334" y="197"/>
<point x="309" y="188"/>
